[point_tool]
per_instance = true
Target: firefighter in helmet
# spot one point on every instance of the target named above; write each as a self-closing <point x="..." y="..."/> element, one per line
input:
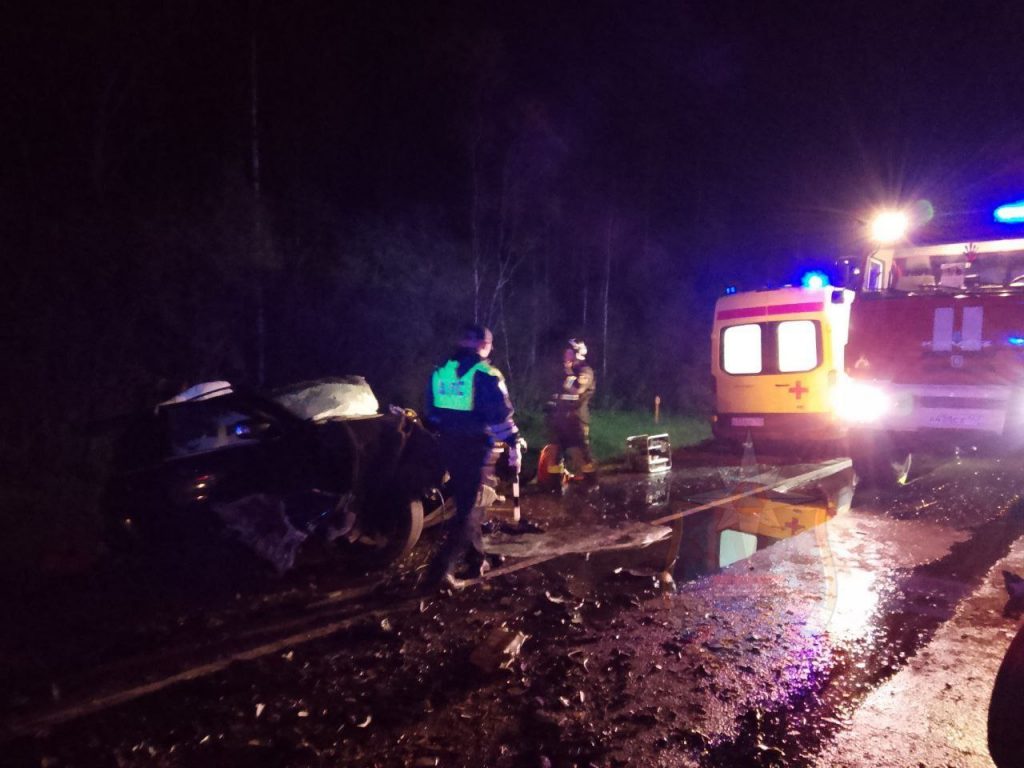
<point x="468" y="404"/>
<point x="569" y="419"/>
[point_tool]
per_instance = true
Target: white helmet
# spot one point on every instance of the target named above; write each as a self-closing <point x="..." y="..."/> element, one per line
<point x="579" y="349"/>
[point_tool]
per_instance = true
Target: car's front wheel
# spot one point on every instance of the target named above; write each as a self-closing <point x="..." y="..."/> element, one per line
<point x="406" y="529"/>
<point x="392" y="538"/>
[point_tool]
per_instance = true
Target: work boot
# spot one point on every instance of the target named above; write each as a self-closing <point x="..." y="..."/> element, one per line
<point x="435" y="573"/>
<point x="495" y="559"/>
<point x="475" y="569"/>
<point x="430" y="584"/>
<point x="451" y="583"/>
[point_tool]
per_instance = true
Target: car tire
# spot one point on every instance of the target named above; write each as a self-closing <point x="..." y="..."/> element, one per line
<point x="409" y="530"/>
<point x="402" y="535"/>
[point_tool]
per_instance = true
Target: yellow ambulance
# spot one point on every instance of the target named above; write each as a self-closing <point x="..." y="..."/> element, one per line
<point x="776" y="359"/>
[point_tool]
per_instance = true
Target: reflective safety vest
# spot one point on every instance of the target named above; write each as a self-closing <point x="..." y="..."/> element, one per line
<point x="455" y="392"/>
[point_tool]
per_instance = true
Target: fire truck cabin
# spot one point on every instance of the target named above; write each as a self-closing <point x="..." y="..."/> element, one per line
<point x="936" y="346"/>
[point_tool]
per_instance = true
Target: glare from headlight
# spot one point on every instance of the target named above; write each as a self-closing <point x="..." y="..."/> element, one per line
<point x="858" y="402"/>
<point x="889" y="226"/>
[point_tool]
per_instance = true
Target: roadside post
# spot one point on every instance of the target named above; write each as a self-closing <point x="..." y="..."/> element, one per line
<point x="516" y="511"/>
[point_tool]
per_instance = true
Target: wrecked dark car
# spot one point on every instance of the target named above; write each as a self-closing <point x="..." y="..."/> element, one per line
<point x="314" y="466"/>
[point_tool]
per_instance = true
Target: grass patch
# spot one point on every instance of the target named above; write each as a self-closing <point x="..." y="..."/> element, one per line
<point x="609" y="430"/>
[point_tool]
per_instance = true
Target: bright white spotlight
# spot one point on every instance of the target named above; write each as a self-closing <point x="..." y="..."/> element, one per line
<point x="860" y="402"/>
<point x="889" y="226"/>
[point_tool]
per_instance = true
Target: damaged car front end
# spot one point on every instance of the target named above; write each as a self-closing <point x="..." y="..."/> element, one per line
<point x="312" y="466"/>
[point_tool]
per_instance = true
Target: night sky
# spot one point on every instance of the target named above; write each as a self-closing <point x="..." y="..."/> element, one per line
<point x="778" y="114"/>
<point x="696" y="143"/>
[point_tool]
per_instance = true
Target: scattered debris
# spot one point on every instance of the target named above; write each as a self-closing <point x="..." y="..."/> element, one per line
<point x="499" y="649"/>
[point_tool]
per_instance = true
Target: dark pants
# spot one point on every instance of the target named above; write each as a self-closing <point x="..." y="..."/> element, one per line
<point x="464" y="457"/>
<point x="572" y="436"/>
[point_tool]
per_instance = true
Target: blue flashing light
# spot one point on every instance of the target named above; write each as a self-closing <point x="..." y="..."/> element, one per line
<point x="730" y="290"/>
<point x="1011" y="213"/>
<point x="1016" y="341"/>
<point x="814" y="279"/>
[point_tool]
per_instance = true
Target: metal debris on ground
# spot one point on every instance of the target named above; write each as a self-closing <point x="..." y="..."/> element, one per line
<point x="498" y="650"/>
<point x="649" y="453"/>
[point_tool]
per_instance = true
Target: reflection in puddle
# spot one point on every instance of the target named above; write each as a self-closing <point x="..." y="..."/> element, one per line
<point x="640" y="494"/>
<point x="656" y="489"/>
<point x="576" y="540"/>
<point x="856" y="600"/>
<point x="734" y="546"/>
<point x="734" y="531"/>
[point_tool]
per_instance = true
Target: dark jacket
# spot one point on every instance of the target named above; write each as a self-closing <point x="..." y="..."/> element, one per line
<point x="492" y="410"/>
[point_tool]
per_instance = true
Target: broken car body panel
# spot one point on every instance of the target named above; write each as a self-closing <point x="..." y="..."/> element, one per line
<point x="197" y="464"/>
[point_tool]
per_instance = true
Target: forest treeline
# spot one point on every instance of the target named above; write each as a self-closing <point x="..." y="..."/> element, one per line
<point x="270" y="193"/>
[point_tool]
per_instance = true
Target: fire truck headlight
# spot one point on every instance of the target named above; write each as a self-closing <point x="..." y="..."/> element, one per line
<point x="859" y="402"/>
<point x="889" y="226"/>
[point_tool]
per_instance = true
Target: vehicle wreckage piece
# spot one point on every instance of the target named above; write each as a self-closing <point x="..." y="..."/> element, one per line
<point x="218" y="459"/>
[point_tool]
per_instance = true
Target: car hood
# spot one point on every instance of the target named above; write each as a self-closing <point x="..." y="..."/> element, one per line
<point x="344" y="397"/>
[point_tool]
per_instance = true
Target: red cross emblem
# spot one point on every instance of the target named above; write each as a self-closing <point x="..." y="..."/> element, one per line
<point x="798" y="389"/>
<point x="794" y="526"/>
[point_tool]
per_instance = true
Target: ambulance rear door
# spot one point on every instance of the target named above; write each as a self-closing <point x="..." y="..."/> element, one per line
<point x="775" y="352"/>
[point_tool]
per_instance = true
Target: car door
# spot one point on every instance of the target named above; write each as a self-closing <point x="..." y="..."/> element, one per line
<point x="227" y="447"/>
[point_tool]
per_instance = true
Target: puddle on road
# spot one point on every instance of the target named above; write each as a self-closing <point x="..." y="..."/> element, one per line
<point x="861" y="596"/>
<point x="576" y="540"/>
<point x="890" y="580"/>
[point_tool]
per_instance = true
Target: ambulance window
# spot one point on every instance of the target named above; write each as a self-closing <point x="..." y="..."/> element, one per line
<point x="741" y="349"/>
<point x="798" y="346"/>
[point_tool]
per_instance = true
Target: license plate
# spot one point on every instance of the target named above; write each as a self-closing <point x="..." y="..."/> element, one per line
<point x="953" y="420"/>
<point x="748" y="421"/>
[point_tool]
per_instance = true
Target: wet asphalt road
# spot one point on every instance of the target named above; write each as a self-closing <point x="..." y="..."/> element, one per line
<point x="869" y="640"/>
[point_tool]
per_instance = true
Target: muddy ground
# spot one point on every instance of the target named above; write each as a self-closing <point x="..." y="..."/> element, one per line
<point x="887" y="619"/>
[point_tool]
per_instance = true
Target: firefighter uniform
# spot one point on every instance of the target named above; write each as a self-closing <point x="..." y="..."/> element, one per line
<point x="569" y="412"/>
<point x="468" y="404"/>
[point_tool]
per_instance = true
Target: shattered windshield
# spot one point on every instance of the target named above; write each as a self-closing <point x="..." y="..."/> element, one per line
<point x="348" y="397"/>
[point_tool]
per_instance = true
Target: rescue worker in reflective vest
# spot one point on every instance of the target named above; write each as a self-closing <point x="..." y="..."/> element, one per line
<point x="569" y="412"/>
<point x="468" y="404"/>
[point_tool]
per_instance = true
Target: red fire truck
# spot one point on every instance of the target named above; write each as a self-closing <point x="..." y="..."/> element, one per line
<point x="935" y="354"/>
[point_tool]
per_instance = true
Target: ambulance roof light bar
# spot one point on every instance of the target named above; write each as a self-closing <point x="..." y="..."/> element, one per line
<point x="814" y="279"/>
